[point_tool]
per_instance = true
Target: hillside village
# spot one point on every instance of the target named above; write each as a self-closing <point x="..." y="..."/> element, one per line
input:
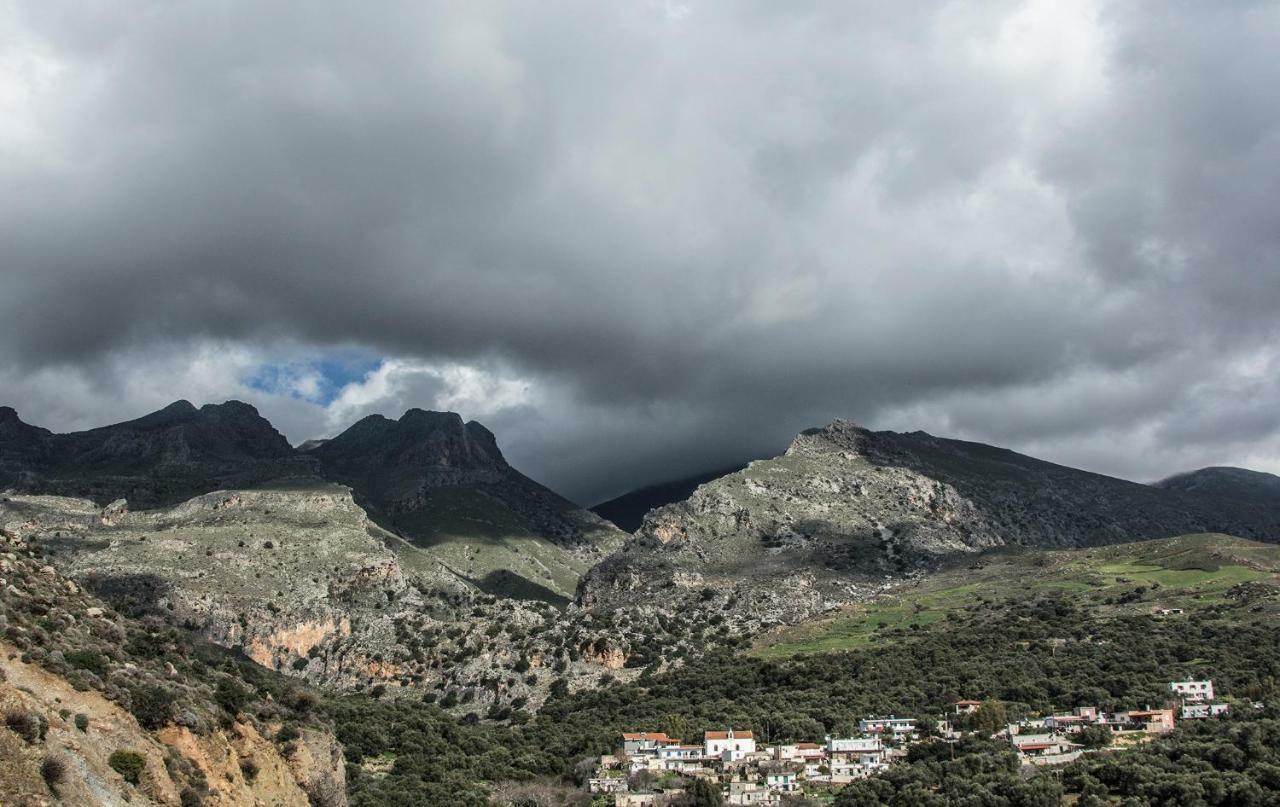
<point x="651" y="769"/>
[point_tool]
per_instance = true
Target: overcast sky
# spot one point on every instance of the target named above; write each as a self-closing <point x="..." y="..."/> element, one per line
<point x="640" y="239"/>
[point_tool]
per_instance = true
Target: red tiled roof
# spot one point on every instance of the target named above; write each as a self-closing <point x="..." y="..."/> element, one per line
<point x="656" y="736"/>
<point x="724" y="735"/>
<point x="1034" y="747"/>
<point x="968" y="703"/>
<point x="807" y="746"/>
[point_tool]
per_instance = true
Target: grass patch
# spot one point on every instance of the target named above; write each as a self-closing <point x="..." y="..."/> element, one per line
<point x="1187" y="572"/>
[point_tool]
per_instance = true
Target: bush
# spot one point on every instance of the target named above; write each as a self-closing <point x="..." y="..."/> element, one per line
<point x="230" y="695"/>
<point x="129" y="764"/>
<point x="54" y="770"/>
<point x="90" y="660"/>
<point x="25" y="724"/>
<point x="82" y="721"/>
<point x="249" y="767"/>
<point x="305" y="701"/>
<point x="152" y="706"/>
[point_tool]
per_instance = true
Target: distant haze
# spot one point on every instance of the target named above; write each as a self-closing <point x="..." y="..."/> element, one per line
<point x="643" y="240"/>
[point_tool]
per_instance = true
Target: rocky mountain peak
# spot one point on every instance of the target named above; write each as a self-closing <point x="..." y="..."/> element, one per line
<point x="420" y="439"/>
<point x="838" y="435"/>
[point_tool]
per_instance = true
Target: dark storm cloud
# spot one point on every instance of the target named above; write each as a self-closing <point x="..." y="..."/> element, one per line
<point x="661" y="235"/>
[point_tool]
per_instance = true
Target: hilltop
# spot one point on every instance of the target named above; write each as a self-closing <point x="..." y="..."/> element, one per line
<point x="438" y="484"/>
<point x="1239" y="484"/>
<point x="846" y="511"/>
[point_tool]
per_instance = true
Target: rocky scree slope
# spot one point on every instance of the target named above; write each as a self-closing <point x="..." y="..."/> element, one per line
<point x="303" y="583"/>
<point x="846" y="511"/>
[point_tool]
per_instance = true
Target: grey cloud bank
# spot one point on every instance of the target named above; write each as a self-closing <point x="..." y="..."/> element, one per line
<point x="639" y="240"/>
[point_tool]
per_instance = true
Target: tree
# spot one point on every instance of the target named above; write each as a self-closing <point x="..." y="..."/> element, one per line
<point x="152" y="706"/>
<point x="674" y="725"/>
<point x="704" y="794"/>
<point x="990" y="718"/>
<point x="1095" y="736"/>
<point x="230" y="695"/>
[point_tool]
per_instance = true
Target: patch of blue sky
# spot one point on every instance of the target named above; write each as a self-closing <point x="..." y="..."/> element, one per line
<point x="317" y="379"/>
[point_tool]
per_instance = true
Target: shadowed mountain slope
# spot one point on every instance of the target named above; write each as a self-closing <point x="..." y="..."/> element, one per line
<point x="440" y="484"/>
<point x="161" y="458"/>
<point x="1228" y="483"/>
<point x="401" y="468"/>
<point x="629" y="509"/>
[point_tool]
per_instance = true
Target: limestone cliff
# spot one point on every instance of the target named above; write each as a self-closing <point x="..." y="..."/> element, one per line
<point x="77" y="680"/>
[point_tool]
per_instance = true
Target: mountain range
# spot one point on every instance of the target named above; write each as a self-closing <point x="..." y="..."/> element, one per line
<point x="333" y="560"/>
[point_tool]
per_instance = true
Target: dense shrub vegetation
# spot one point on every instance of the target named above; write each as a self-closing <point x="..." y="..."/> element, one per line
<point x="1212" y="763"/>
<point x="1034" y="656"/>
<point x="129" y="764"/>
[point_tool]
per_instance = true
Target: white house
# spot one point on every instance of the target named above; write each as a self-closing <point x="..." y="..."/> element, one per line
<point x="681" y="758"/>
<point x="1200" y="711"/>
<point x="843" y="745"/>
<point x="782" y="783"/>
<point x="1193" y="691"/>
<point x="730" y="745"/>
<point x="807" y="752"/>
<point x="645" y="743"/>
<point x="893" y="725"/>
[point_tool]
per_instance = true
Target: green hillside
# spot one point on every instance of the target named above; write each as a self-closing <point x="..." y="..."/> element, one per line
<point x="1187" y="572"/>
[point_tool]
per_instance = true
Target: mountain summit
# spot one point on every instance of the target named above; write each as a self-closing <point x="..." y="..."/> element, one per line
<point x="429" y="474"/>
<point x="420" y="449"/>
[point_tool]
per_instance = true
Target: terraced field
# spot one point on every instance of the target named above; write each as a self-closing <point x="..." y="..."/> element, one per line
<point x="1187" y="572"/>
